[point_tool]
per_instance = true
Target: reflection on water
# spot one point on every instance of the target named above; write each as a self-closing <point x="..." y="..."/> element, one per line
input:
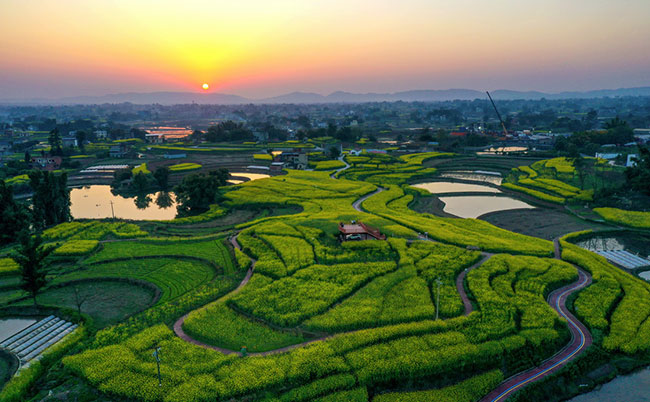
<point x="473" y="176"/>
<point x="142" y="201"/>
<point x="164" y="199"/>
<point x="94" y="202"/>
<point x="438" y="187"/>
<point x="11" y="326"/>
<point x="635" y="244"/>
<point x="632" y="387"/>
<point x="477" y="205"/>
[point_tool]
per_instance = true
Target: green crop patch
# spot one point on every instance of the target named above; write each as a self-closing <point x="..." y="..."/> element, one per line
<point x="220" y="326"/>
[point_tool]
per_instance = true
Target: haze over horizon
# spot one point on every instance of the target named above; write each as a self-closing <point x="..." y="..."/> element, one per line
<point x="259" y="49"/>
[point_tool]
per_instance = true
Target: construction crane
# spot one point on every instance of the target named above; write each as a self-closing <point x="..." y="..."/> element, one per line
<point x="505" y="132"/>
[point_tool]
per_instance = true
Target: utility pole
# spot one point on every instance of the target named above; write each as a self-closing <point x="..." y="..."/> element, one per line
<point x="157" y="356"/>
<point x="439" y="282"/>
<point x="112" y="210"/>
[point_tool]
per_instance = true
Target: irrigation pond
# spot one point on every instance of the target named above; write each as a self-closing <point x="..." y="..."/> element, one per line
<point x="98" y="202"/>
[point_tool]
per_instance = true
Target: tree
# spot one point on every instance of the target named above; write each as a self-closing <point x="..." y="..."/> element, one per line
<point x="638" y="177"/>
<point x="162" y="177"/>
<point x="81" y="138"/>
<point x="197" y="192"/>
<point x="580" y="164"/>
<point x="13" y="216"/>
<point x="28" y="157"/>
<point x="51" y="200"/>
<point x="140" y="182"/>
<point x="618" y="131"/>
<point x="56" y="144"/>
<point x="79" y="298"/>
<point x="334" y="152"/>
<point x="30" y="258"/>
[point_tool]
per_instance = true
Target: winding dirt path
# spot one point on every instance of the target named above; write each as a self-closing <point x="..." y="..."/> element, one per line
<point x="178" y="325"/>
<point x="357" y="204"/>
<point x="337" y="171"/>
<point x="460" y="283"/>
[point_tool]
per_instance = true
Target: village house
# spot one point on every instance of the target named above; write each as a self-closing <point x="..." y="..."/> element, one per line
<point x="359" y="231"/>
<point x="297" y="159"/>
<point x="118" y="151"/>
<point x="48" y="163"/>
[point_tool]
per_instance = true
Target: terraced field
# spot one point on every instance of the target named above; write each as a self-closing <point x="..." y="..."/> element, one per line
<point x="322" y="320"/>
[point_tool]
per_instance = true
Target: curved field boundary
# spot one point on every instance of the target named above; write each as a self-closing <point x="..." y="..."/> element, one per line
<point x="460" y="283"/>
<point x="217" y="269"/>
<point x="178" y="325"/>
<point x="580" y="340"/>
<point x="357" y="204"/>
<point x="337" y="171"/>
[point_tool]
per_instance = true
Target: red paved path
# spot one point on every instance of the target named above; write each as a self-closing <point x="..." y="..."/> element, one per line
<point x="580" y="340"/>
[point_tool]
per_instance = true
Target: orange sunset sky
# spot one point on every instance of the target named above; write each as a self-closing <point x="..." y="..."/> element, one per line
<point x="259" y="48"/>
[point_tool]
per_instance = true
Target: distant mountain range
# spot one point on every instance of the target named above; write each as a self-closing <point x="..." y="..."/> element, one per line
<point x="171" y="98"/>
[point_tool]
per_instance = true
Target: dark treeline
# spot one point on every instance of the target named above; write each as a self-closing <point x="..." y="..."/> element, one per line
<point x="50" y="206"/>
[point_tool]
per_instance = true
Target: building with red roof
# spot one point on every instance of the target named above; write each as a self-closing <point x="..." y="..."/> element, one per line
<point x="359" y="231"/>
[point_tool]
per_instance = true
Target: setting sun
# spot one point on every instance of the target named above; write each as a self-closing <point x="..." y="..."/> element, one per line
<point x="205" y="86"/>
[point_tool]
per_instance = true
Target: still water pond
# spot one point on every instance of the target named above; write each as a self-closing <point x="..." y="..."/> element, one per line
<point x="488" y="177"/>
<point x="439" y="187"/>
<point x="632" y="387"/>
<point x="634" y="243"/>
<point x="11" y="326"/>
<point x="94" y="202"/>
<point x="477" y="205"/>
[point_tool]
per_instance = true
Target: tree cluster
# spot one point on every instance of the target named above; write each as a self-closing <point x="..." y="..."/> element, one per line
<point x="197" y="192"/>
<point x="228" y="131"/>
<point x="51" y="199"/>
<point x="14" y="216"/>
<point x="617" y="132"/>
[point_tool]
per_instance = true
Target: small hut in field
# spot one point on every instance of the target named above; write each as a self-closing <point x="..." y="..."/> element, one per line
<point x="358" y="231"/>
